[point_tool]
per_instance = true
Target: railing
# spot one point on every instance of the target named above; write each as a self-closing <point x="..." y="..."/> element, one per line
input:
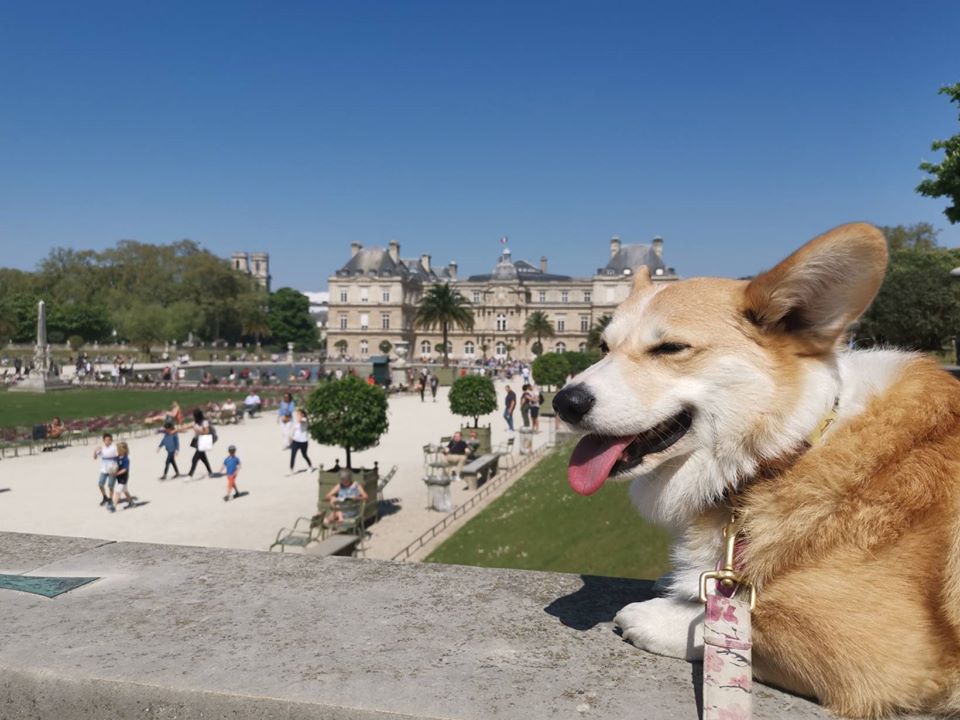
<point x="501" y="478"/>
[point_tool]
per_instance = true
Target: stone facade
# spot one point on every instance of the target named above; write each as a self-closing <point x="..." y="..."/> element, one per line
<point x="374" y="297"/>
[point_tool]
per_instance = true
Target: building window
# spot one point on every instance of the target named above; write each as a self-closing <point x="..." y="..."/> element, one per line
<point x="584" y="323"/>
<point x="425" y="347"/>
<point x="587" y="296"/>
<point x="560" y="347"/>
<point x="501" y="322"/>
<point x="343" y="321"/>
<point x="385" y="321"/>
<point x="364" y="321"/>
<point x="564" y="296"/>
<point x="364" y="294"/>
<point x="543" y="296"/>
<point x="476" y="297"/>
<point x="343" y="296"/>
<point x="582" y="347"/>
<point x="561" y="324"/>
<point x="501" y="349"/>
<point x="364" y="348"/>
<point x="469" y="348"/>
<point x="385" y="295"/>
<point x="658" y="271"/>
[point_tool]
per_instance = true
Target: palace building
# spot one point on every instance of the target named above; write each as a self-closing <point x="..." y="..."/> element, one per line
<point x="374" y="296"/>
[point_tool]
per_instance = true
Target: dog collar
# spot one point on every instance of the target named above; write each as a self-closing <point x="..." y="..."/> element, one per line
<point x="816" y="436"/>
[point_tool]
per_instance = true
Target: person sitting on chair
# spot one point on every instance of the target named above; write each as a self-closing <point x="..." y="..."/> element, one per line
<point x="251" y="403"/>
<point x="55" y="428"/>
<point x="456" y="452"/>
<point x="346" y="489"/>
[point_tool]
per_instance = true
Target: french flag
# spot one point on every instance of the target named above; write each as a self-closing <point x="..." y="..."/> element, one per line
<point x="504" y="239"/>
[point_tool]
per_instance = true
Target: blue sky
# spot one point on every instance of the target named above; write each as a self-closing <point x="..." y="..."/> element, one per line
<point x="734" y="130"/>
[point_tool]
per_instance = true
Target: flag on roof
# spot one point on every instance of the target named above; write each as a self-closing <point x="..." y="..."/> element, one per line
<point x="503" y="240"/>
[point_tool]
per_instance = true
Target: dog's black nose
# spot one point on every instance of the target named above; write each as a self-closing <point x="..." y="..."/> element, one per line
<point x="573" y="402"/>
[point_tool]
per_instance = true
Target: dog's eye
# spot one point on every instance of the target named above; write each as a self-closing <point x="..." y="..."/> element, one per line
<point x="668" y="348"/>
<point x="604" y="348"/>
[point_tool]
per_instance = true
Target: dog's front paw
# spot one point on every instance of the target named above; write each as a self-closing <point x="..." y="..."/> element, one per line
<point x="664" y="626"/>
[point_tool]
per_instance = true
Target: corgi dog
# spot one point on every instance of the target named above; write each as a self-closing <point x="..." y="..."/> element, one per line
<point x="719" y="397"/>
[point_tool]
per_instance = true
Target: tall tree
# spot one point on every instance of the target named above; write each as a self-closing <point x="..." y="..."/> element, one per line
<point x="538" y="325"/>
<point x="443" y="307"/>
<point x="946" y="174"/>
<point x="290" y="319"/>
<point x="595" y="335"/>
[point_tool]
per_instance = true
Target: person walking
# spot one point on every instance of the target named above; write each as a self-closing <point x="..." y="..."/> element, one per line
<point x="526" y="396"/>
<point x="287" y="407"/>
<point x="510" y="404"/>
<point x="424" y="379"/>
<point x="123" y="476"/>
<point x="536" y="400"/>
<point x="170" y="441"/>
<point x="231" y="465"/>
<point x="202" y="441"/>
<point x="107" y="454"/>
<point x="299" y="439"/>
<point x="434" y="384"/>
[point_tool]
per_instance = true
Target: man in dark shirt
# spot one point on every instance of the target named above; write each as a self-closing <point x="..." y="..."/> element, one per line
<point x="509" y="406"/>
<point x="456" y="452"/>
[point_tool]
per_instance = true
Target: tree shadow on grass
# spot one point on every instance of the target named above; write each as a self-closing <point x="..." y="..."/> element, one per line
<point x="599" y="600"/>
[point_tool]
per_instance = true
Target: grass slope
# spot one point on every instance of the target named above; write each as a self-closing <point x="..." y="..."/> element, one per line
<point x="541" y="524"/>
<point x="27" y="408"/>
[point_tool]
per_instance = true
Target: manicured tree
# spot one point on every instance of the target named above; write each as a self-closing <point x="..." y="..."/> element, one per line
<point x="348" y="413"/>
<point x="551" y="369"/>
<point x="385" y="347"/>
<point x="443" y="307"/>
<point x="538" y="325"/>
<point x="473" y="396"/>
<point x="580" y="361"/>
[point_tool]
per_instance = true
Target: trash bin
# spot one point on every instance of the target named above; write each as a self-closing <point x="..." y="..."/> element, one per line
<point x="438" y="493"/>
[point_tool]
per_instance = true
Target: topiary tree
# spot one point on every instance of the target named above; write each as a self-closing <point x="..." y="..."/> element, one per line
<point x="347" y="413"/>
<point x="580" y="361"/>
<point x="551" y="369"/>
<point x="385" y="346"/>
<point x="473" y="396"/>
<point x="75" y="342"/>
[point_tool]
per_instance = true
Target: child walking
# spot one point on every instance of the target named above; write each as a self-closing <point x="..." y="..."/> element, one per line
<point x="122" y="488"/>
<point x="231" y="465"/>
<point x="107" y="454"/>
<point x="170" y="441"/>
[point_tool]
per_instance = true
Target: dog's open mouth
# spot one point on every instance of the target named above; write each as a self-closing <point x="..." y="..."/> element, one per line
<point x="596" y="458"/>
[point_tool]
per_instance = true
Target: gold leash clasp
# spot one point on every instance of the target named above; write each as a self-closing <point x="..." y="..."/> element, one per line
<point x="727" y="575"/>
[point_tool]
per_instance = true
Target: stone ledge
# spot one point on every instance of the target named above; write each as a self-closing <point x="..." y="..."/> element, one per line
<point x="181" y="632"/>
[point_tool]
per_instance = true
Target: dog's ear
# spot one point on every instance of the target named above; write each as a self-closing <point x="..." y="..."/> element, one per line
<point x="641" y="279"/>
<point x="820" y="289"/>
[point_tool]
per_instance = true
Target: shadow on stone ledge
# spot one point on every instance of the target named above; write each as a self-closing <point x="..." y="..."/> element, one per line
<point x="598" y="600"/>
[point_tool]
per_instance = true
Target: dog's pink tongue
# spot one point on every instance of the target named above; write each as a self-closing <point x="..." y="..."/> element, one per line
<point x="592" y="460"/>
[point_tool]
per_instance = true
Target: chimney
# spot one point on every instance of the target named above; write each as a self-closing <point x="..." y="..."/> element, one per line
<point x="355" y="248"/>
<point x="658" y="246"/>
<point x="425" y="261"/>
<point x="543" y="263"/>
<point x="452" y="269"/>
<point x="614" y="245"/>
<point x="395" y="251"/>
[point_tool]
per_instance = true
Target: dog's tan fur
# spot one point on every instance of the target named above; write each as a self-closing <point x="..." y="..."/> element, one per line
<point x="853" y="544"/>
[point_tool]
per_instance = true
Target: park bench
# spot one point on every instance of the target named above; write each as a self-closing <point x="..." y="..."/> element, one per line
<point x="342" y="544"/>
<point x="478" y="471"/>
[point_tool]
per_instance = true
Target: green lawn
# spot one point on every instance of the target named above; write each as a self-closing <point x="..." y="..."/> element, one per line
<point x="541" y="524"/>
<point x="28" y="408"/>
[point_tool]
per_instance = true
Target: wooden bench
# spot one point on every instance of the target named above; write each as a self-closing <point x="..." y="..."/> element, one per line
<point x="478" y="471"/>
<point x="335" y="544"/>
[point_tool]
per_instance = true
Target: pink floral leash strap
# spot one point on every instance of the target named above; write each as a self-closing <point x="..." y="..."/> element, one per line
<point x="727" y="644"/>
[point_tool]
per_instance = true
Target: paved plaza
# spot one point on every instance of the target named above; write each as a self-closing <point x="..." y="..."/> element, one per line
<point x="56" y="492"/>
